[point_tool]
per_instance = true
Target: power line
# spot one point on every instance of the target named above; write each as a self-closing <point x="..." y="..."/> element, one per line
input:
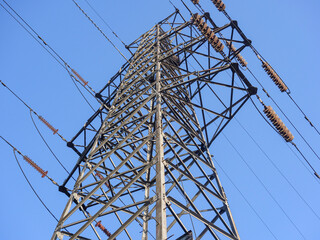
<point x="33" y="164"/>
<point x="113" y="45"/>
<point x="260" y="181"/>
<point x="277" y="105"/>
<point x="55" y="131"/>
<point x="305" y="116"/>
<point x="43" y="44"/>
<point x="34" y="191"/>
<point x="247" y="201"/>
<point x="279" y="171"/>
<point x="49" y="50"/>
<point x="264" y="186"/>
<point x="105" y="22"/>
<point x="290" y="141"/>
<point x="288" y="92"/>
<point x="45" y="122"/>
<point x="257" y="177"/>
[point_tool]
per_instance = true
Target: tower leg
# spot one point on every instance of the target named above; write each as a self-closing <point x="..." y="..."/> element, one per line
<point x="161" y="221"/>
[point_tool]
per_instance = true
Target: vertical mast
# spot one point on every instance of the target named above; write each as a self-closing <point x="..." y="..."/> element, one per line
<point x="161" y="221"/>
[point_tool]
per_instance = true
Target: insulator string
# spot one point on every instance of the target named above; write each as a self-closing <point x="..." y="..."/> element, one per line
<point x="103" y="229"/>
<point x="32" y="163"/>
<point x="34" y="191"/>
<point x="270" y="71"/>
<point x="42" y="119"/>
<point x="47" y="47"/>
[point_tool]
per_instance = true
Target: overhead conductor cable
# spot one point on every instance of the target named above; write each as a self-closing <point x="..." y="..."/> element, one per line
<point x="273" y="74"/>
<point x="74" y="75"/>
<point x="281" y="128"/>
<point x="32" y="163"/>
<point x="42" y="119"/>
<point x="283" y="131"/>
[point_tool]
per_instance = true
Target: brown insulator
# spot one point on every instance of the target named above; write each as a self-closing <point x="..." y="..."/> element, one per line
<point x="240" y="59"/>
<point x="101" y="178"/>
<point x="204" y="28"/>
<point x="79" y="77"/>
<point x="48" y="125"/>
<point x="219" y="5"/>
<point x="219" y="47"/>
<point x="274" y="76"/>
<point x="195" y="1"/>
<point x="33" y="164"/>
<point x="99" y="225"/>
<point x="278" y="124"/>
<point x="200" y="23"/>
<point x="196" y="17"/>
<point x="208" y="33"/>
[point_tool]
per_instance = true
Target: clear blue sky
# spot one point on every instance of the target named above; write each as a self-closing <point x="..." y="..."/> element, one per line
<point x="285" y="32"/>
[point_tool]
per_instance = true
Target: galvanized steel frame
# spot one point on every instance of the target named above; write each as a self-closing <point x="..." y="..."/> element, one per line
<point x="145" y="151"/>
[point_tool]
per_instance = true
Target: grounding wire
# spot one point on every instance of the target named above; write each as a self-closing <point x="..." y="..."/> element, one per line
<point x="56" y="56"/>
<point x="105" y="22"/>
<point x="113" y="45"/>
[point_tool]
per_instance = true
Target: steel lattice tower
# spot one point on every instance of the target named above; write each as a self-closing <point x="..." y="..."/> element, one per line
<point x="144" y="169"/>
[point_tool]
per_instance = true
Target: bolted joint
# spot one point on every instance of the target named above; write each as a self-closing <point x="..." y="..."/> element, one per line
<point x="64" y="190"/>
<point x="70" y="144"/>
<point x="252" y="90"/>
<point x="98" y="95"/>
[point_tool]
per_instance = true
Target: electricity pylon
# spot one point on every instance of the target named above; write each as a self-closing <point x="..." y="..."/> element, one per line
<point x="144" y="169"/>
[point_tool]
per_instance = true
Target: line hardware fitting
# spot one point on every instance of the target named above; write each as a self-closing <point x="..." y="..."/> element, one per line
<point x="279" y="126"/>
<point x="42" y="172"/>
<point x="42" y="119"/>
<point x="265" y="65"/>
<point x="283" y="131"/>
<point x="73" y="74"/>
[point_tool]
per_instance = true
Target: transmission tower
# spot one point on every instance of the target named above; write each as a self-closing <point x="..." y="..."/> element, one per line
<point x="144" y="169"/>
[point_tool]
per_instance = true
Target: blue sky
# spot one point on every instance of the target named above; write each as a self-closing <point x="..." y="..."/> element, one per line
<point x="285" y="32"/>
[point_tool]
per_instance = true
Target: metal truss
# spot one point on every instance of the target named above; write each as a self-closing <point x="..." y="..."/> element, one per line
<point x="144" y="169"/>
